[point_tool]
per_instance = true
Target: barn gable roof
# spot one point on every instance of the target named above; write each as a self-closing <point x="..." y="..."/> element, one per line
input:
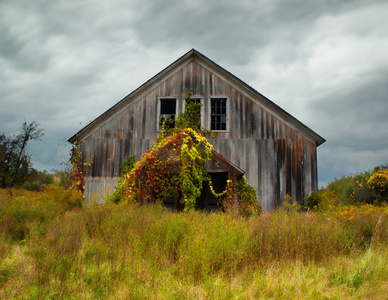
<point x="229" y="78"/>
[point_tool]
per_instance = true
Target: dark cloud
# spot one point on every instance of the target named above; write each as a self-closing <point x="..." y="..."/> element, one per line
<point x="360" y="111"/>
<point x="224" y="30"/>
<point x="231" y="30"/>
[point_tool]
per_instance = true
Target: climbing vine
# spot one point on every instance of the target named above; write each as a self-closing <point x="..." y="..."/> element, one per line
<point x="76" y="177"/>
<point x="78" y="165"/>
<point x="175" y="167"/>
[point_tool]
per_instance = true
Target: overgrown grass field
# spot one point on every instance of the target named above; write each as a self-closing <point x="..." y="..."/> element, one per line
<point x="51" y="247"/>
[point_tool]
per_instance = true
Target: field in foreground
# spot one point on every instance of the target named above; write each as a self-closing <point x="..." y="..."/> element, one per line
<point x="52" y="247"/>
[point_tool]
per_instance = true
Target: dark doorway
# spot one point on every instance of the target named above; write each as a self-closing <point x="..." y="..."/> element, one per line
<point x="207" y="200"/>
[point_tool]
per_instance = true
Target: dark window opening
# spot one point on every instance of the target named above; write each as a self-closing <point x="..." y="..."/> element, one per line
<point x="167" y="113"/>
<point x="218" y="114"/>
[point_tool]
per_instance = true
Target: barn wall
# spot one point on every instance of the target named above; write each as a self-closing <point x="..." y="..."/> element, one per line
<point x="97" y="188"/>
<point x="277" y="159"/>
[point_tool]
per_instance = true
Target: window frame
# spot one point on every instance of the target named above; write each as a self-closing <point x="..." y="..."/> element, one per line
<point x="227" y="124"/>
<point x="159" y="106"/>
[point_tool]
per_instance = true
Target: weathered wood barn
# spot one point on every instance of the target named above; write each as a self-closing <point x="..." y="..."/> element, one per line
<point x="276" y="151"/>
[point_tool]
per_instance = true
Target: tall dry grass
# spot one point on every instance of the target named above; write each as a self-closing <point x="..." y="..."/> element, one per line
<point x="50" y="247"/>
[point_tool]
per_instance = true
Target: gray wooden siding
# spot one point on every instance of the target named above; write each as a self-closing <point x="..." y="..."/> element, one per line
<point x="96" y="187"/>
<point x="277" y="160"/>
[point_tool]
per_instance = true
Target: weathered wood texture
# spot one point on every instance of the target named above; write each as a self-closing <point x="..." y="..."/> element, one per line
<point x="277" y="158"/>
<point x="99" y="188"/>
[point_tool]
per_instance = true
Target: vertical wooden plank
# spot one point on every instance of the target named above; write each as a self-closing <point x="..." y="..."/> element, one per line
<point x="236" y="118"/>
<point x="196" y="85"/>
<point x="282" y="168"/>
<point x="254" y="118"/>
<point x="252" y="167"/>
<point x="314" y="167"/>
<point x="265" y="177"/>
<point x="264" y="124"/>
<point x="249" y="118"/>
<point x="272" y="130"/>
<point x="293" y="173"/>
<point x="260" y="123"/>
<point x="307" y="169"/>
<point x="203" y="82"/>
<point x="272" y="170"/>
<point x="242" y="118"/>
<point x="234" y="152"/>
<point x="258" y="174"/>
<point x="298" y="167"/>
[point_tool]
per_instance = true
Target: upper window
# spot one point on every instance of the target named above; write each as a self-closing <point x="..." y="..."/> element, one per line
<point x="167" y="113"/>
<point x="218" y="114"/>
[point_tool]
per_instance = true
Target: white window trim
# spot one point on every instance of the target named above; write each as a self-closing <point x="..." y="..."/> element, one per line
<point x="158" y="109"/>
<point x="209" y="104"/>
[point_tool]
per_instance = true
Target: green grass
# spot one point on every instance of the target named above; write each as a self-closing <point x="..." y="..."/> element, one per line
<point x="50" y="247"/>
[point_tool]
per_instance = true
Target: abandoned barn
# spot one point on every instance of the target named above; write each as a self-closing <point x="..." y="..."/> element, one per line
<point x="277" y="153"/>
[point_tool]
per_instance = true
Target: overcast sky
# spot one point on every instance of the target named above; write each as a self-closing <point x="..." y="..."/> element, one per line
<point x="64" y="63"/>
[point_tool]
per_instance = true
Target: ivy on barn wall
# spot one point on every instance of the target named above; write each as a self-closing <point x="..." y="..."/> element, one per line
<point x="175" y="167"/>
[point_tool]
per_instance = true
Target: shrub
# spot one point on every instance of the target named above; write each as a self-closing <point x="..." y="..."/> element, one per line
<point x="313" y="201"/>
<point x="378" y="183"/>
<point x="32" y="186"/>
<point x="323" y="199"/>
